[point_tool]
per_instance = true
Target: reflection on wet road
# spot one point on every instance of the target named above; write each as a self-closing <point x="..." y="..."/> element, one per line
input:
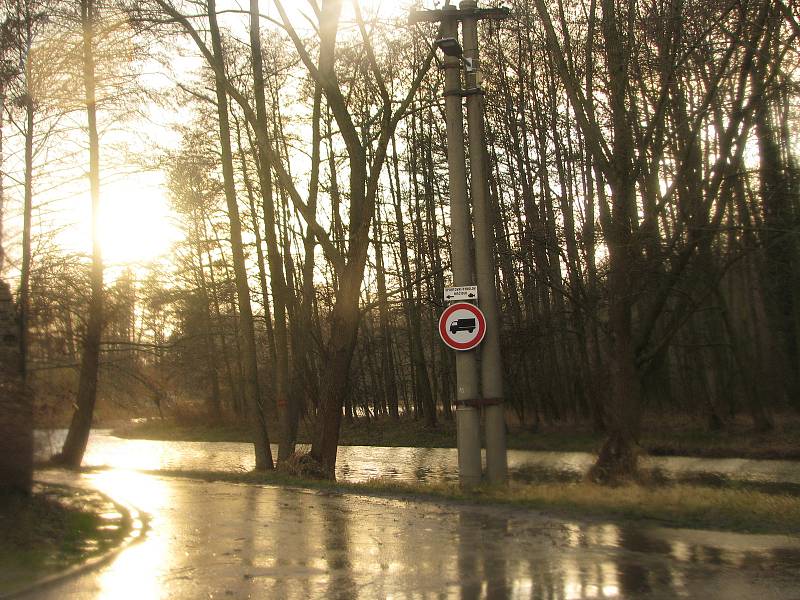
<point x="222" y="540"/>
<point x="359" y="463"/>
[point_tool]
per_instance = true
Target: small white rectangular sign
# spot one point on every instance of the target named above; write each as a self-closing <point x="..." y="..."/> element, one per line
<point x="465" y="292"/>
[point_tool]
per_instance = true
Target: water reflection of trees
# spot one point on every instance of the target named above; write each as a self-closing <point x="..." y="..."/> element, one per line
<point x="283" y="543"/>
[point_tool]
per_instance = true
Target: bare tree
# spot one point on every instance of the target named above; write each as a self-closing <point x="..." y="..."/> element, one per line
<point x="81" y="424"/>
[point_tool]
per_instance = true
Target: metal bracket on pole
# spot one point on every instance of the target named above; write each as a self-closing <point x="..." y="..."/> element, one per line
<point x="478" y="402"/>
<point x="463" y="93"/>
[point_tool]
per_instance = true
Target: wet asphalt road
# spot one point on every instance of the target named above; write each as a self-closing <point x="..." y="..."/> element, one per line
<point x="222" y="540"/>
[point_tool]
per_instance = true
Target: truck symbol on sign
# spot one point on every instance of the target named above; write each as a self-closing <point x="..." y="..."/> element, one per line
<point x="462" y="325"/>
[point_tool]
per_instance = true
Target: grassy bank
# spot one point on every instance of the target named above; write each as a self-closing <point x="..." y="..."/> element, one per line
<point x="689" y="506"/>
<point x="50" y="531"/>
<point x="659" y="438"/>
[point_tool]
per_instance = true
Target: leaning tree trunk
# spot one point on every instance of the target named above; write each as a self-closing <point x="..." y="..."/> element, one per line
<point x="81" y="424"/>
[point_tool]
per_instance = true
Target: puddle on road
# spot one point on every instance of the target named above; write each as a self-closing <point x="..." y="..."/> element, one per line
<point x="227" y="540"/>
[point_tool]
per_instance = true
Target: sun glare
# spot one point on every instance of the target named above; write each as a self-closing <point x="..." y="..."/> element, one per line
<point x="135" y="222"/>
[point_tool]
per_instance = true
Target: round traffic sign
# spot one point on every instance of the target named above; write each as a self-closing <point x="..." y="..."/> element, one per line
<point x="462" y="326"/>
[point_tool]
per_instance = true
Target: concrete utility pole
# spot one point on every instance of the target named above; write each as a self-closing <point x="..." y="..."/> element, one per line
<point x="467" y="415"/>
<point x="491" y="363"/>
<point x="468" y="397"/>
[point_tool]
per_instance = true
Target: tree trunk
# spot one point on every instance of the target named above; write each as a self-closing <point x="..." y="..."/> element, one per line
<point x="344" y="328"/>
<point x="16" y="423"/>
<point x="213" y="401"/>
<point x="781" y="272"/>
<point x="260" y="262"/>
<point x="78" y="434"/>
<point x="387" y="361"/>
<point x="286" y="414"/>
<point x="421" y="381"/>
<point x="252" y="390"/>
<point x="303" y="341"/>
<point x="25" y="271"/>
<point x="617" y="459"/>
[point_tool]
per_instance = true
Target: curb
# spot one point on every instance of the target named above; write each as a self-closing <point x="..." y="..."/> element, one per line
<point x="139" y="525"/>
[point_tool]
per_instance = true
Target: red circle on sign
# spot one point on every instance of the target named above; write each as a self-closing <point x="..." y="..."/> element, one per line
<point x="447" y="334"/>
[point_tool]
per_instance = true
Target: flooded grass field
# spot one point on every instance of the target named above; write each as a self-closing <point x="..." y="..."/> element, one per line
<point x="362" y="463"/>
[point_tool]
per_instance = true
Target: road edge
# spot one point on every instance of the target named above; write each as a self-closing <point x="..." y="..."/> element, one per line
<point x="138" y="525"/>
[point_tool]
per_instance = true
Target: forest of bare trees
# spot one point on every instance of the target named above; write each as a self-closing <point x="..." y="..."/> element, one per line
<point x="642" y="171"/>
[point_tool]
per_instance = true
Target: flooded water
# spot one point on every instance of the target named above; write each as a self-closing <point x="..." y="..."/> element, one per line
<point x="360" y="463"/>
<point x="221" y="540"/>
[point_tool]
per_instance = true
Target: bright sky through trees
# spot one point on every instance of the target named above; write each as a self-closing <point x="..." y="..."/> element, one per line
<point x="137" y="223"/>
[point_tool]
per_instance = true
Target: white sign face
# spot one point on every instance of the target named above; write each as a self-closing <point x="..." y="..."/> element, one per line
<point x="462" y="326"/>
<point x="465" y="292"/>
